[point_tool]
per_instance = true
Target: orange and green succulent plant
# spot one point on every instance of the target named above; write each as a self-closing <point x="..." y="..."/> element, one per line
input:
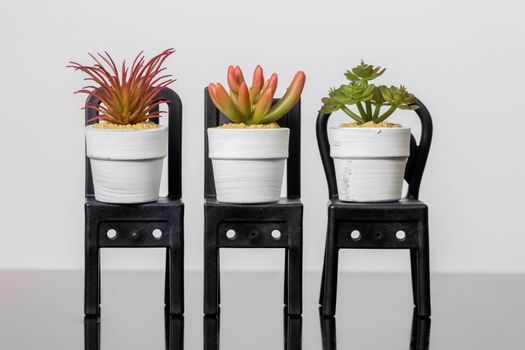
<point x="253" y="105"/>
<point x="128" y="95"/>
<point x="368" y="98"/>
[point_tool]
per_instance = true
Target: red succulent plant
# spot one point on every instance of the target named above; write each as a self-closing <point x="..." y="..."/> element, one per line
<point x="253" y="105"/>
<point x="127" y="95"/>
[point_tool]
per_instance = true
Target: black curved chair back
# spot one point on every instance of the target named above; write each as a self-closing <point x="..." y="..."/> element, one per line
<point x="292" y="120"/>
<point x="415" y="164"/>
<point x="174" y="141"/>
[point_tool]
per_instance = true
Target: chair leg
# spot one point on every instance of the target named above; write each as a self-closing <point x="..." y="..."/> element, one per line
<point x="330" y="277"/>
<point x="414" y="273"/>
<point x="295" y="280"/>
<point x="219" y="279"/>
<point x="92" y="281"/>
<point x="99" y="271"/>
<point x="211" y="271"/>
<point x="176" y="288"/>
<point x="423" y="277"/>
<point x="321" y="293"/>
<point x="167" y="280"/>
<point x="286" y="276"/>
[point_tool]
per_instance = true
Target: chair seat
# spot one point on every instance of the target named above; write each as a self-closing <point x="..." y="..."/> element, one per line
<point x="134" y="224"/>
<point x="393" y="225"/>
<point x="402" y="210"/>
<point x="253" y="225"/>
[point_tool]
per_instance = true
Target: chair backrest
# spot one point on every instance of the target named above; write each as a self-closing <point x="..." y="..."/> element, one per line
<point x="174" y="142"/>
<point x="292" y="120"/>
<point x="415" y="164"/>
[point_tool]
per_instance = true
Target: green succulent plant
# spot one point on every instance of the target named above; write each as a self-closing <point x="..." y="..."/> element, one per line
<point x="368" y="98"/>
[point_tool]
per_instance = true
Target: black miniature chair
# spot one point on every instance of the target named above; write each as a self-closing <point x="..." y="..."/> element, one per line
<point x="419" y="334"/>
<point x="292" y="331"/>
<point x="134" y="223"/>
<point x="397" y="225"/>
<point x="253" y="223"/>
<point x="173" y="328"/>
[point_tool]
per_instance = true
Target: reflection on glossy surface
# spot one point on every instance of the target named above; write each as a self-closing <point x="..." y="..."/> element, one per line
<point x="292" y="331"/>
<point x="44" y="310"/>
<point x="91" y="333"/>
<point x="419" y="335"/>
<point x="173" y="331"/>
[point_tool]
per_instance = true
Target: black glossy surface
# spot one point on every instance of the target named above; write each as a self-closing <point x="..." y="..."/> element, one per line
<point x="43" y="310"/>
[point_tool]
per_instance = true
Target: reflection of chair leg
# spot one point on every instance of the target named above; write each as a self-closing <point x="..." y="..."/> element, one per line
<point x="285" y="325"/>
<point x="330" y="270"/>
<point x="211" y="332"/>
<point x="91" y="333"/>
<point x="211" y="271"/>
<point x="293" y="332"/>
<point x="328" y="331"/>
<point x="423" y="277"/>
<point x="414" y="273"/>
<point x="174" y="332"/>
<point x="420" y="334"/>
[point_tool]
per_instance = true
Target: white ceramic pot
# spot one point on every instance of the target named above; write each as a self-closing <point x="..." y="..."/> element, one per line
<point x="369" y="162"/>
<point x="248" y="164"/>
<point x="126" y="164"/>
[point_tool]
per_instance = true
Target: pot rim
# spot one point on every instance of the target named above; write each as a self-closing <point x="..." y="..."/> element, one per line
<point x="248" y="129"/>
<point x="91" y="128"/>
<point x="370" y="128"/>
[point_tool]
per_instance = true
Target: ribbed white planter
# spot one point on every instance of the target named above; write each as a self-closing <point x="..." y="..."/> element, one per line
<point x="369" y="162"/>
<point x="248" y="164"/>
<point x="126" y="164"/>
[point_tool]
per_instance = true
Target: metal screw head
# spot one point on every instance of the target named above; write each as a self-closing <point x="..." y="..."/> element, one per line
<point x="355" y="235"/>
<point x="157" y="233"/>
<point x="231" y="234"/>
<point x="111" y="233"/>
<point x="401" y="235"/>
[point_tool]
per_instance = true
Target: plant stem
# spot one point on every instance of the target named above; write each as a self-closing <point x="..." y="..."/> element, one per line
<point x="368" y="105"/>
<point x="376" y="111"/>
<point x="362" y="111"/>
<point x="352" y="115"/>
<point x="386" y="114"/>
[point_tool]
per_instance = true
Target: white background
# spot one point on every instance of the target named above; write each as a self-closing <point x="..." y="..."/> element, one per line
<point x="464" y="59"/>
